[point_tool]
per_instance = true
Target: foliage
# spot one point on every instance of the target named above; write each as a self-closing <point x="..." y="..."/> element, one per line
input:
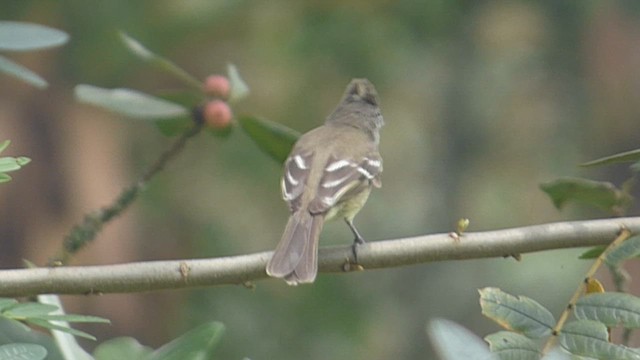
<point x="198" y="343"/>
<point x="19" y="37"/>
<point x="19" y="351"/>
<point x="174" y="115"/>
<point x="524" y="318"/>
<point x="44" y="315"/>
<point x="8" y="164"/>
<point x="273" y="138"/>
<point x="595" y="311"/>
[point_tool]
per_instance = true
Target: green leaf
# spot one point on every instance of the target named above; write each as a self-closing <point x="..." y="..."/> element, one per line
<point x="603" y="195"/>
<point x="22" y="73"/>
<point x="186" y="98"/>
<point x="628" y="249"/>
<point x="198" y="343"/>
<point x="512" y="346"/>
<point x="65" y="342"/>
<point x="453" y="342"/>
<point x="27" y="310"/>
<point x="520" y="314"/>
<point x="590" y="338"/>
<point x="557" y="354"/>
<point x="4" y="178"/>
<point x="22" y="351"/>
<point x="4" y="145"/>
<point x="121" y="348"/>
<point x="136" y="47"/>
<point x="181" y="124"/>
<point x="8" y="164"/>
<point x="610" y="308"/>
<point x="592" y="253"/>
<point x="159" y="62"/>
<point x="75" y="318"/>
<point x="7" y="303"/>
<point x="239" y="89"/>
<point x="48" y="325"/>
<point x="623" y="157"/>
<point x="22" y="160"/>
<point x="175" y="126"/>
<point x="129" y="102"/>
<point x="21" y="36"/>
<point x="273" y="138"/>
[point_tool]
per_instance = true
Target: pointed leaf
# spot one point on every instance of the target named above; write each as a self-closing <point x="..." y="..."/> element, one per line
<point x="159" y="62"/>
<point x="610" y="308"/>
<point x="623" y="157"/>
<point x="21" y="36"/>
<point x="8" y="164"/>
<point x="48" y="325"/>
<point x="179" y="125"/>
<point x="453" y="342"/>
<point x="590" y="338"/>
<point x="273" y="138"/>
<point x="7" y="303"/>
<point x="75" y="318"/>
<point x="129" y="102"/>
<point x="603" y="195"/>
<point x="22" y="73"/>
<point x="4" y="145"/>
<point x="29" y="309"/>
<point x="592" y="253"/>
<point x="121" y="348"/>
<point x="239" y="89"/>
<point x="628" y="249"/>
<point x="520" y="314"/>
<point x="4" y="178"/>
<point x="136" y="47"/>
<point x="512" y="346"/>
<point x="22" y="160"/>
<point x="21" y="351"/>
<point x="198" y="343"/>
<point x="66" y="342"/>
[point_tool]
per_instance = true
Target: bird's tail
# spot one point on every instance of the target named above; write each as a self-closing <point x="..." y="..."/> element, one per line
<point x="296" y="256"/>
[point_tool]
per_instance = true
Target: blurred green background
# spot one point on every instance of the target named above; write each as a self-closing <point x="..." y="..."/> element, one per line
<point x="483" y="100"/>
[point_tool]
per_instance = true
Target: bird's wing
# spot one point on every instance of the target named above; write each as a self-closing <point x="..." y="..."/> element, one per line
<point x="343" y="175"/>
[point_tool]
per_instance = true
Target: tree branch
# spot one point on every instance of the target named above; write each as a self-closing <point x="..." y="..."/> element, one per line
<point x="157" y="275"/>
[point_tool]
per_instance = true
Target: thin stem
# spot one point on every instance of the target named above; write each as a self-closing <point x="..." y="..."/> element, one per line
<point x="624" y="235"/>
<point x="84" y="232"/>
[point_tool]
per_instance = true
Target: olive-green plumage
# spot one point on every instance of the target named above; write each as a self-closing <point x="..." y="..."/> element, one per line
<point x="329" y="174"/>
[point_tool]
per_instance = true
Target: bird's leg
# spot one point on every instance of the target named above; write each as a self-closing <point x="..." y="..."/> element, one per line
<point x="358" y="240"/>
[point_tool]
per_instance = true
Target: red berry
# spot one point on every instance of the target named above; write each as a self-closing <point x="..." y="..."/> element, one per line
<point x="217" y="85"/>
<point x="217" y="114"/>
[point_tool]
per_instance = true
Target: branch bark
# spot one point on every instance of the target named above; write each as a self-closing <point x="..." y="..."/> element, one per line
<point x="243" y="269"/>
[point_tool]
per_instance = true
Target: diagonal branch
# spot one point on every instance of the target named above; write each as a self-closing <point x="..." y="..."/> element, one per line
<point x="242" y="269"/>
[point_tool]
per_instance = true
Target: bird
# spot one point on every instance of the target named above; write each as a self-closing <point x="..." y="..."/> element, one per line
<point x="328" y="174"/>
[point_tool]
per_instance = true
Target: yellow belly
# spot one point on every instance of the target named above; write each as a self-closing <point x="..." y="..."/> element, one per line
<point x="349" y="207"/>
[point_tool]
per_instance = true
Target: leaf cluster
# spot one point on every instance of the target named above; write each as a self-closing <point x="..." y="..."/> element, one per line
<point x="9" y="164"/>
<point x="22" y="37"/>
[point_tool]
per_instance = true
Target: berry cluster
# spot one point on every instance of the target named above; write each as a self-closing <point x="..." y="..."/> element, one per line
<point x="216" y="113"/>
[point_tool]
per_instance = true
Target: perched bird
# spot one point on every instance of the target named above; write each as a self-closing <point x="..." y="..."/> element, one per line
<point x="329" y="174"/>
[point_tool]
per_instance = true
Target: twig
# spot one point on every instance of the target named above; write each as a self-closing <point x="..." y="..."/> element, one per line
<point x="624" y="235"/>
<point x="158" y="275"/>
<point x="83" y="233"/>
